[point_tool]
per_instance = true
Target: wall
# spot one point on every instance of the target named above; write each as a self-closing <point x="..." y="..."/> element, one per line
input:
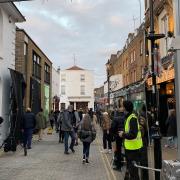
<point x="7" y="60"/>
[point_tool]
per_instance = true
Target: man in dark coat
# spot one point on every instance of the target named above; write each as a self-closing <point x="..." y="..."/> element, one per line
<point x="67" y="128"/>
<point x="116" y="126"/>
<point x="28" y="125"/>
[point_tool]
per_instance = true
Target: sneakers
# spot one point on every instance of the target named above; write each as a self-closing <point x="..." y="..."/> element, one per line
<point x="66" y="152"/>
<point x="83" y="161"/>
<point x="73" y="151"/>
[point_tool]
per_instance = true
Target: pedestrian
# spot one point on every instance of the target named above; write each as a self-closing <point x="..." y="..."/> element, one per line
<point x="106" y="125"/>
<point x="76" y="125"/>
<point x="94" y="118"/>
<point x="28" y="125"/>
<point x="1" y="120"/>
<point x="56" y="115"/>
<point x="61" y="133"/>
<point x="91" y="113"/>
<point x="87" y="134"/>
<point x="80" y="112"/>
<point x="51" y="119"/>
<point x="143" y="122"/>
<point x="132" y="141"/>
<point x="67" y="127"/>
<point x="116" y="126"/>
<point x="172" y="130"/>
<point x="40" y="123"/>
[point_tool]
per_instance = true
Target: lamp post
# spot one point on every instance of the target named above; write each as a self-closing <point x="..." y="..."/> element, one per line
<point x="108" y="76"/>
<point x="156" y="130"/>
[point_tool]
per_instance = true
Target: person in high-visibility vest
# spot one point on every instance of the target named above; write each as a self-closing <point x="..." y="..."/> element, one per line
<point x="132" y="141"/>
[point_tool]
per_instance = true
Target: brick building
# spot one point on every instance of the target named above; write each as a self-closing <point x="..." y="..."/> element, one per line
<point x="131" y="63"/>
<point x="163" y="23"/>
<point x="37" y="71"/>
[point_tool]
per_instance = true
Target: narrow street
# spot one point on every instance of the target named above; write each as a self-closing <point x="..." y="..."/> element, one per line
<point x="46" y="161"/>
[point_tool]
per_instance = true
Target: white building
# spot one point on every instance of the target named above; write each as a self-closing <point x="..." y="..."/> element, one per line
<point x="77" y="88"/>
<point x="9" y="15"/>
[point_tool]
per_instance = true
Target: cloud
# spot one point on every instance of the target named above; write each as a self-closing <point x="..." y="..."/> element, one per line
<point x="91" y="29"/>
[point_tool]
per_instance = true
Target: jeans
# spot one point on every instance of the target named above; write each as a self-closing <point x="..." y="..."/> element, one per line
<point x="28" y="137"/>
<point x="66" y="138"/>
<point x="106" y="139"/>
<point x="86" y="147"/>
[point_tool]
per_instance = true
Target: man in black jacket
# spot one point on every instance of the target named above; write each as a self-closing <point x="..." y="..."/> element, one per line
<point x="116" y="126"/>
<point x="28" y="125"/>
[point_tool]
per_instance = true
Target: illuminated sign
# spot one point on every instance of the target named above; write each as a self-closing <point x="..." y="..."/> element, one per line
<point x="166" y="75"/>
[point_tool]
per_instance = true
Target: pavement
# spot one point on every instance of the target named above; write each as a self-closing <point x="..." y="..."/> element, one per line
<point x="46" y="161"/>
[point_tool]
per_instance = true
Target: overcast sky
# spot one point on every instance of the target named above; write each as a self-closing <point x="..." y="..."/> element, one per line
<point x="90" y="29"/>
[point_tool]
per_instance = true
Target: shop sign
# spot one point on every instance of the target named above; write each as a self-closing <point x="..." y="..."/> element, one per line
<point x="166" y="75"/>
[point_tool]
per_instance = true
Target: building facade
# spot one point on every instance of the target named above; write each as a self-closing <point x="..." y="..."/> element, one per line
<point x="76" y="88"/>
<point x="9" y="15"/>
<point x="131" y="63"/>
<point x="164" y="59"/>
<point x="37" y="71"/>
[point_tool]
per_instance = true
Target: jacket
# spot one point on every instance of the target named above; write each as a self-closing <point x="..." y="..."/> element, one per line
<point x="40" y="121"/>
<point x="28" y="121"/>
<point x="87" y="134"/>
<point x="66" y="121"/>
<point x="106" y="122"/>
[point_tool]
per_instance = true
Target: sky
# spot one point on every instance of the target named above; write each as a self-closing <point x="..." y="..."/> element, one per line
<point x="88" y="31"/>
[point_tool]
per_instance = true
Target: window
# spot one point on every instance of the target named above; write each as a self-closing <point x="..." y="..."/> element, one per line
<point x="63" y="77"/>
<point x="63" y="90"/>
<point x="82" y="77"/>
<point x="141" y="47"/>
<point x="126" y="63"/>
<point x="25" y="49"/>
<point x="82" y="90"/>
<point x="142" y="71"/>
<point x="131" y="57"/>
<point x="36" y="65"/>
<point x="134" y="55"/>
<point x="127" y="81"/>
<point x="134" y="75"/>
<point x="47" y="73"/>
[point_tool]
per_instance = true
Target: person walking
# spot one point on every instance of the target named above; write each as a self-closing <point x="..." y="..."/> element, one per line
<point x="87" y="134"/>
<point x="61" y="133"/>
<point x="67" y="128"/>
<point x="28" y="125"/>
<point x="51" y="119"/>
<point x="132" y="141"/>
<point x="40" y="123"/>
<point x="116" y="126"/>
<point x="106" y="125"/>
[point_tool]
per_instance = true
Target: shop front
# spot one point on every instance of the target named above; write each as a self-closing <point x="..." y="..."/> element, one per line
<point x="166" y="96"/>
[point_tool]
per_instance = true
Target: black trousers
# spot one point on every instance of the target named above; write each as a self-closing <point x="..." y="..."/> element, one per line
<point x="132" y="171"/>
<point x="144" y="162"/>
<point x="106" y="139"/>
<point x="118" y="153"/>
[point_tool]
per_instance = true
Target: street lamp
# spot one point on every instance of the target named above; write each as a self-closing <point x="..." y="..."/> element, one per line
<point x="108" y="66"/>
<point x="156" y="130"/>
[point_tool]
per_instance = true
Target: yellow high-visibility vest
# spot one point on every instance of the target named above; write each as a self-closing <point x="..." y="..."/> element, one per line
<point x="133" y="144"/>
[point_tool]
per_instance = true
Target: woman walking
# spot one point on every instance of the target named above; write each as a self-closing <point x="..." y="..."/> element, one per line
<point x="40" y="123"/>
<point x="87" y="134"/>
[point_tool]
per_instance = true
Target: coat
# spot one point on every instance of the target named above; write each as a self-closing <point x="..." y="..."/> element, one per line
<point x="28" y="121"/>
<point x="66" y="121"/>
<point x="172" y="126"/>
<point x="106" y="122"/>
<point x="87" y="134"/>
<point x="40" y="121"/>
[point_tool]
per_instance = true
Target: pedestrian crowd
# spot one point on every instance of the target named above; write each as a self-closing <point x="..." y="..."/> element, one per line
<point x="125" y="134"/>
